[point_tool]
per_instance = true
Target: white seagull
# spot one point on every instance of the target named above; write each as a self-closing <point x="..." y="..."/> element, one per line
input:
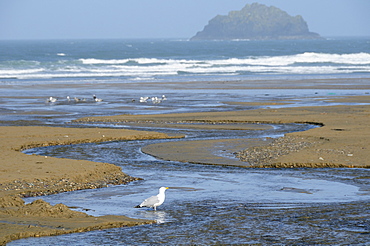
<point x="143" y="99"/>
<point x="51" y="100"/>
<point x="156" y="100"/>
<point x="154" y="201"/>
<point x="97" y="99"/>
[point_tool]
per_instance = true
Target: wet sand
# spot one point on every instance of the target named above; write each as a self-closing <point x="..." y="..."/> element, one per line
<point x="341" y="141"/>
<point x="24" y="175"/>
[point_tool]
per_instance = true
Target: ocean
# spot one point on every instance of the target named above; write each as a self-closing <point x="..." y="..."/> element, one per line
<point x="181" y="60"/>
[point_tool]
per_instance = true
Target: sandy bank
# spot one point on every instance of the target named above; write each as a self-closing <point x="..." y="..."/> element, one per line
<point x="30" y="175"/>
<point x="341" y="141"/>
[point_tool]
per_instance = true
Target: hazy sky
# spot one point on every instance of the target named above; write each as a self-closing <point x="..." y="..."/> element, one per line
<point x="69" y="19"/>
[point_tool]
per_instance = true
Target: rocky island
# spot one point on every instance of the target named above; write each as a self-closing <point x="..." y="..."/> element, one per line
<point x="256" y="22"/>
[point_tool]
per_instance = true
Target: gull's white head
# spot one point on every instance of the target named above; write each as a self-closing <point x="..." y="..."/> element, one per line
<point x="163" y="189"/>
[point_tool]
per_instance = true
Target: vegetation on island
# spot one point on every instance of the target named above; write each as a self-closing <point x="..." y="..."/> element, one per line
<point x="256" y="22"/>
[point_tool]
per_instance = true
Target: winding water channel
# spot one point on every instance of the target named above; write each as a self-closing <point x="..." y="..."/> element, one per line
<point x="218" y="205"/>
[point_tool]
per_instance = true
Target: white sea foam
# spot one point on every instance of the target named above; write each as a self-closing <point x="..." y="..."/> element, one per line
<point x="307" y="57"/>
<point x="11" y="73"/>
<point x="142" y="61"/>
<point x="136" y="68"/>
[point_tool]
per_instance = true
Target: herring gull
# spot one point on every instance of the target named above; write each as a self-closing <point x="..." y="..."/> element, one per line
<point x="97" y="99"/>
<point x="51" y="100"/>
<point x="154" y="201"/>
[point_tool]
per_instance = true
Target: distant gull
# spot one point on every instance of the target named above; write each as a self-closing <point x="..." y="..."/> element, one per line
<point x="156" y="100"/>
<point x="143" y="99"/>
<point x="76" y="99"/>
<point x="97" y="99"/>
<point x="51" y="100"/>
<point x="154" y="201"/>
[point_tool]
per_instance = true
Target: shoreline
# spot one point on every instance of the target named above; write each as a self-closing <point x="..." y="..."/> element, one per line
<point x="341" y="141"/>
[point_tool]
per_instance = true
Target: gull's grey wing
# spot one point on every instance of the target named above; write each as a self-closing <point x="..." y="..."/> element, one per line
<point x="149" y="202"/>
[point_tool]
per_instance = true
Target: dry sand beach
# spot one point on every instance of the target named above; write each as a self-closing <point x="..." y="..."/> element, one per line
<point x="342" y="140"/>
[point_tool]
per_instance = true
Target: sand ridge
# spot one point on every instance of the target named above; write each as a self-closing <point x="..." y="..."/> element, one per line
<point x="342" y="139"/>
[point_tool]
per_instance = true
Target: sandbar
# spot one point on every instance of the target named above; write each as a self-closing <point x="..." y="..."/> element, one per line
<point x="342" y="138"/>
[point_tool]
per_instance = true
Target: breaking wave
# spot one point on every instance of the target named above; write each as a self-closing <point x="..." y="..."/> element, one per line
<point x="139" y="68"/>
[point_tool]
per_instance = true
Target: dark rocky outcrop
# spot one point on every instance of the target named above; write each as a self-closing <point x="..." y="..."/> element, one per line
<point x="256" y="22"/>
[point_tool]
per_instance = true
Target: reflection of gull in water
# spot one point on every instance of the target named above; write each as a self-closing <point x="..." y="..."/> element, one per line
<point x="154" y="201"/>
<point x="160" y="217"/>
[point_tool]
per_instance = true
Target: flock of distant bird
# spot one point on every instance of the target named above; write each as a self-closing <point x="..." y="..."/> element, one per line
<point x="154" y="100"/>
<point x="75" y="99"/>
